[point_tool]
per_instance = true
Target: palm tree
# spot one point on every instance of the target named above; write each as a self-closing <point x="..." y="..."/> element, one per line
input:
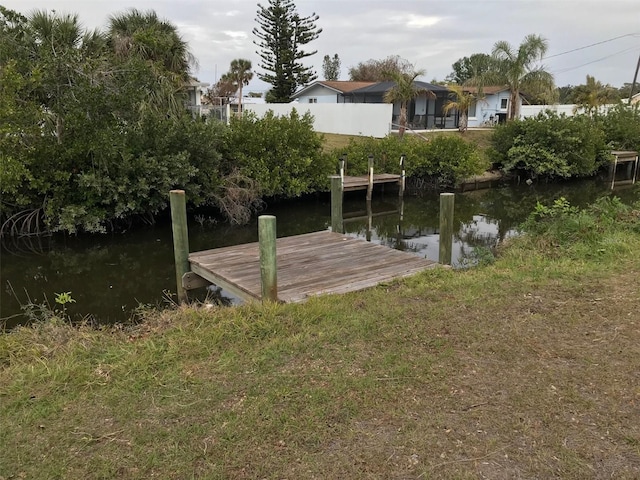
<point x="593" y="95"/>
<point x="61" y="47"/>
<point x="241" y="74"/>
<point x="517" y="70"/>
<point x="144" y="35"/>
<point x="404" y="91"/>
<point x="461" y="100"/>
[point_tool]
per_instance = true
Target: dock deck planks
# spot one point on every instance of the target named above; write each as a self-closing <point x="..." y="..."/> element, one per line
<point x="362" y="182"/>
<point x="308" y="265"/>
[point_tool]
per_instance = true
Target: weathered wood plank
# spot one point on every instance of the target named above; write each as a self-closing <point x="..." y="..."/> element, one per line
<point x="311" y="264"/>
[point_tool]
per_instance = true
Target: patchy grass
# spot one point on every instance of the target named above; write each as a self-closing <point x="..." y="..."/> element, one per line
<point x="480" y="138"/>
<point x="333" y="141"/>
<point x="527" y="368"/>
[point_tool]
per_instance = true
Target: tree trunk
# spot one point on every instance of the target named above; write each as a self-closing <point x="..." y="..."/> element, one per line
<point x="240" y="100"/>
<point x="402" y="121"/>
<point x="464" y="122"/>
<point x="513" y="108"/>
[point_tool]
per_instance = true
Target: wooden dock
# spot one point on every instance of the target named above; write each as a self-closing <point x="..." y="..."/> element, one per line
<point x="307" y="265"/>
<point x="350" y="183"/>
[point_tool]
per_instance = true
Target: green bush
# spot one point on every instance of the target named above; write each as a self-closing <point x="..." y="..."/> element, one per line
<point x="444" y="159"/>
<point x="550" y="146"/>
<point x="564" y="226"/>
<point x="621" y="126"/>
<point x="282" y="154"/>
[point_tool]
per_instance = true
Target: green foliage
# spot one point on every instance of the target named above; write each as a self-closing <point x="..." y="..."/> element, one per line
<point x="281" y="34"/>
<point x="445" y="159"/>
<point x="589" y="230"/>
<point x="621" y="126"/>
<point x="281" y="153"/>
<point x="549" y="145"/>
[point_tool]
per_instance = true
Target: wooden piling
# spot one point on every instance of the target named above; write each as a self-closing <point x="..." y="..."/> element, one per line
<point x="178" y="203"/>
<point x="268" y="266"/>
<point x="446" y="228"/>
<point x="370" y="187"/>
<point x="336" y="204"/>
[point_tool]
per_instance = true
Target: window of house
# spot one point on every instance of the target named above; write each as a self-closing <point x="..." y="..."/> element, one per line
<point x="503" y="103"/>
<point x="313" y="100"/>
<point x="472" y="110"/>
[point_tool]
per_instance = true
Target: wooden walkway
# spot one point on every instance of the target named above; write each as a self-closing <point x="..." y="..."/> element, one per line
<point x="308" y="265"/>
<point x="350" y="184"/>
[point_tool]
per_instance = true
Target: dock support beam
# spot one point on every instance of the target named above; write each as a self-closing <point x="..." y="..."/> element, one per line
<point x="370" y="187"/>
<point x="336" y="204"/>
<point x="446" y="228"/>
<point x="268" y="266"/>
<point x="180" y="239"/>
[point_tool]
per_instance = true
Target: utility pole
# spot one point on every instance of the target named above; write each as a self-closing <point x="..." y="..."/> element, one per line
<point x="635" y="77"/>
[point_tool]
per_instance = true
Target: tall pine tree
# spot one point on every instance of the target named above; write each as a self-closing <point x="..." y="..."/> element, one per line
<point x="281" y="33"/>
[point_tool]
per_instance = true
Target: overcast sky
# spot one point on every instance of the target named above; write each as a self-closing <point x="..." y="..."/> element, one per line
<point x="431" y="35"/>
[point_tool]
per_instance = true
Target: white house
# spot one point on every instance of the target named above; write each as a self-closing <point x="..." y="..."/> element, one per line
<point x="493" y="108"/>
<point x="195" y="89"/>
<point x="328" y="91"/>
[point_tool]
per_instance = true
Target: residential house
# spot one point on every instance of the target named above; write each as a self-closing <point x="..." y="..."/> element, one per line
<point x="328" y="91"/>
<point x="195" y="89"/>
<point x="423" y="113"/>
<point x="493" y="108"/>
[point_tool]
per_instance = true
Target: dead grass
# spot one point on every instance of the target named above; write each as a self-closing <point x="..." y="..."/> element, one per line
<point x="528" y="368"/>
<point x="333" y="141"/>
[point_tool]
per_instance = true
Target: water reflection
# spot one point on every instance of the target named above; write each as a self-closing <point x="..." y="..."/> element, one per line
<point x="111" y="275"/>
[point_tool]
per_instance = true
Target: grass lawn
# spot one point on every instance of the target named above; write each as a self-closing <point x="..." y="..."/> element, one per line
<point x="526" y="368"/>
<point x="481" y="138"/>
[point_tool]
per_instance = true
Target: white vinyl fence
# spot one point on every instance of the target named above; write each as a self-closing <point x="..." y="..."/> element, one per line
<point x="363" y="119"/>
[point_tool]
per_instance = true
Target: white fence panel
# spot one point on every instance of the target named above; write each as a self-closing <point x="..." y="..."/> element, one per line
<point x="568" y="109"/>
<point x="363" y="119"/>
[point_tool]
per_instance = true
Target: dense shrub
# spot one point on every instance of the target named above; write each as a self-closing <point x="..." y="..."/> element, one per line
<point x="549" y="145"/>
<point x="621" y="126"/>
<point x="282" y="154"/>
<point x="443" y="159"/>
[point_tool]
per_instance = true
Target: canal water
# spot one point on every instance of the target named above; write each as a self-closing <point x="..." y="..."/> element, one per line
<point x="110" y="276"/>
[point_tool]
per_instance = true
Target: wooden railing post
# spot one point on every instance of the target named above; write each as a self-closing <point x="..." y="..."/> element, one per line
<point x="178" y="203"/>
<point x="402" y="175"/>
<point x="446" y="228"/>
<point x="268" y="265"/>
<point x="336" y="204"/>
<point x="370" y="187"/>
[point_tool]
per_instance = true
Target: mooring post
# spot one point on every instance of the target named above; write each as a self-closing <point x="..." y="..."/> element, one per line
<point x="268" y="266"/>
<point x="446" y="228"/>
<point x="178" y="203"/>
<point x="370" y="187"/>
<point x="336" y="204"/>
<point x="402" y="174"/>
<point x="342" y="162"/>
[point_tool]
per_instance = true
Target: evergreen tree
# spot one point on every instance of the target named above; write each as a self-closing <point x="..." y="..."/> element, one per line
<point x="331" y="67"/>
<point x="281" y="33"/>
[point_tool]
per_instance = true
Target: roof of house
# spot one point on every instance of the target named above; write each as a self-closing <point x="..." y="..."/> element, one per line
<point x="339" y="86"/>
<point x="382" y="87"/>
<point x="487" y="90"/>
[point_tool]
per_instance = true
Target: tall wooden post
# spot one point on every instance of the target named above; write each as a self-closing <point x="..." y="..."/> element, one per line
<point x="178" y="203"/>
<point x="446" y="228"/>
<point x="336" y="204"/>
<point x="370" y="187"/>
<point x="402" y="174"/>
<point x="268" y="265"/>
